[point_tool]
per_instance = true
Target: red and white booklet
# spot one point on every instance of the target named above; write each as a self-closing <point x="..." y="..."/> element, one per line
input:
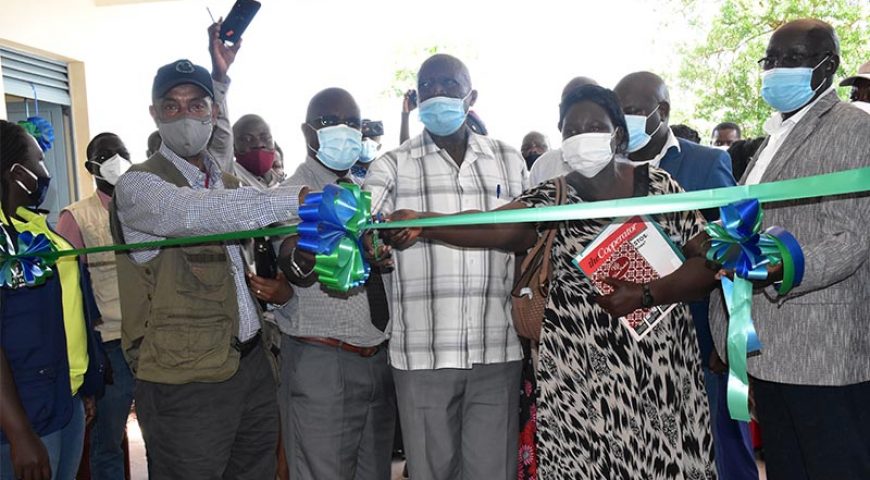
<point x="633" y="249"/>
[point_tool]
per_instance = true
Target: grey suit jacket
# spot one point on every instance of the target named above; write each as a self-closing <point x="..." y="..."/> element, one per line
<point x="819" y="334"/>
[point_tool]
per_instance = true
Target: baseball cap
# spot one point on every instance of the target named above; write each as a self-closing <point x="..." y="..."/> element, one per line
<point x="863" y="72"/>
<point x="178" y="73"/>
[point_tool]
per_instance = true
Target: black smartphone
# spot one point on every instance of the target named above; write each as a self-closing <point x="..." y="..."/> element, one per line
<point x="238" y="19"/>
<point x="265" y="261"/>
<point x="413" y="97"/>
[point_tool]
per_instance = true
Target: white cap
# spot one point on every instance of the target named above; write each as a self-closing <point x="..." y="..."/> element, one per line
<point x="863" y="72"/>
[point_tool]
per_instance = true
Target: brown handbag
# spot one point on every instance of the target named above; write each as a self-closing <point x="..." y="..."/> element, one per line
<point x="532" y="286"/>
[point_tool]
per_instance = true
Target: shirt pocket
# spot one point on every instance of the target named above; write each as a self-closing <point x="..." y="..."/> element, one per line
<point x="37" y="392"/>
<point x="203" y="273"/>
<point x="189" y="341"/>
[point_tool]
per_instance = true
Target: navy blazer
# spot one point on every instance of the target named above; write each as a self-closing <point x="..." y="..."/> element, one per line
<point x="696" y="167"/>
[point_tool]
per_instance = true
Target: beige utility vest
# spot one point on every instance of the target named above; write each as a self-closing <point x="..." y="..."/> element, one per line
<point x="180" y="308"/>
<point x="93" y="221"/>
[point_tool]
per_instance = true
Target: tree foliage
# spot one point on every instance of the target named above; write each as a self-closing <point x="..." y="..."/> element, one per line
<point x="405" y="76"/>
<point x="721" y="71"/>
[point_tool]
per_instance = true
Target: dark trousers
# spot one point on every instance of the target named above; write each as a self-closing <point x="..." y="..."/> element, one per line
<point x="735" y="458"/>
<point x="210" y="431"/>
<point x="814" y="432"/>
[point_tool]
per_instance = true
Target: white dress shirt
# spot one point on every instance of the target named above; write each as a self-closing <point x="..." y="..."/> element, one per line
<point x="548" y="166"/>
<point x="862" y="105"/>
<point x="671" y="143"/>
<point x="778" y="130"/>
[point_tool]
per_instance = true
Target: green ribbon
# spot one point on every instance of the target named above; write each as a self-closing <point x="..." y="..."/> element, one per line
<point x="52" y="257"/>
<point x="839" y="183"/>
<point x="738" y="302"/>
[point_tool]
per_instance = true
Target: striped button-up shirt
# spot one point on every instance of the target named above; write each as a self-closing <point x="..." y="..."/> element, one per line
<point x="450" y="307"/>
<point x="151" y="208"/>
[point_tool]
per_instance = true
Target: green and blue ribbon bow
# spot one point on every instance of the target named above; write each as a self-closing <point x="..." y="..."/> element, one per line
<point x="739" y="245"/>
<point x="40" y="129"/>
<point x="28" y="264"/>
<point x="332" y="225"/>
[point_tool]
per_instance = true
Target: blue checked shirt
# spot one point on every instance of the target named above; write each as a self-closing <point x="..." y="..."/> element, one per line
<point x="151" y="208"/>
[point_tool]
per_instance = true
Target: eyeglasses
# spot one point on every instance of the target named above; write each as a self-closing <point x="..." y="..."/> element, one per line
<point x="791" y="60"/>
<point x="104" y="155"/>
<point x="332" y="120"/>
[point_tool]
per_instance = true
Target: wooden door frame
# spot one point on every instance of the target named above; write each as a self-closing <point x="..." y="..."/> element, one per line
<point x="78" y="113"/>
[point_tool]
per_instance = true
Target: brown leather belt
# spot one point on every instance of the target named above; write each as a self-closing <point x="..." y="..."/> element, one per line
<point x="332" y="342"/>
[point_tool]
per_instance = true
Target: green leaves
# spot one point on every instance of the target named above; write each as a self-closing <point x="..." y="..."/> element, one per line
<point x="721" y="71"/>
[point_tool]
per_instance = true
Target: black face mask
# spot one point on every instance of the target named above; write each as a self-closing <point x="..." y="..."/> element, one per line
<point x="38" y="194"/>
<point x="530" y="159"/>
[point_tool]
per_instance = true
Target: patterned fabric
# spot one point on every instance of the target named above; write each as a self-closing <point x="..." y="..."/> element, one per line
<point x="527" y="463"/>
<point x="450" y="306"/>
<point x="609" y="406"/>
<point x="155" y="209"/>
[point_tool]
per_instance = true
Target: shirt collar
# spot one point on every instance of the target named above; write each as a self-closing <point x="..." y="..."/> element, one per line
<point x="424" y="145"/>
<point x="194" y="176"/>
<point x="671" y="142"/>
<point x="104" y="199"/>
<point x="324" y="175"/>
<point x="776" y="123"/>
<point x="32" y="221"/>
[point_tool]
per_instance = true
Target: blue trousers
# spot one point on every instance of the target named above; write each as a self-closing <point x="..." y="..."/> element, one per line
<point x="64" y="448"/>
<point x="731" y="439"/>
<point x="107" y="431"/>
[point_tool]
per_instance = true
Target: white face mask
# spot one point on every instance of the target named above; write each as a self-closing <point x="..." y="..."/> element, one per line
<point x="588" y="153"/>
<point x="112" y="169"/>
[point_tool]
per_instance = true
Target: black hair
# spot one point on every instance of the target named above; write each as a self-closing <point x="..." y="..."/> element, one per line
<point x="728" y="126"/>
<point x="686" y="132"/>
<point x="13" y="145"/>
<point x="741" y="153"/>
<point x="92" y="146"/>
<point x="604" y="98"/>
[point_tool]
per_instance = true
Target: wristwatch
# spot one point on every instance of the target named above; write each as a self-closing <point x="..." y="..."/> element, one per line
<point x="646" y="300"/>
<point x="297" y="270"/>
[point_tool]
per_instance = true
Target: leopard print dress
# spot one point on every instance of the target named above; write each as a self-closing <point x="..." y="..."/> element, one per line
<point x="610" y="407"/>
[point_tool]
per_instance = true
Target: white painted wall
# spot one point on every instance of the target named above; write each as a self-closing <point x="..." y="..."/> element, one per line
<point x="520" y="54"/>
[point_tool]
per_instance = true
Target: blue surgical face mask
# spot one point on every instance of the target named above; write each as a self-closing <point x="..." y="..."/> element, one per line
<point x="789" y="89"/>
<point x="37" y="195"/>
<point x="637" y="136"/>
<point x="369" y="150"/>
<point x="340" y="147"/>
<point x="443" y="116"/>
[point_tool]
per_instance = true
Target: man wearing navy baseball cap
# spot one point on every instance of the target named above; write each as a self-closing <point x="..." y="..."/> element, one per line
<point x="191" y="328"/>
